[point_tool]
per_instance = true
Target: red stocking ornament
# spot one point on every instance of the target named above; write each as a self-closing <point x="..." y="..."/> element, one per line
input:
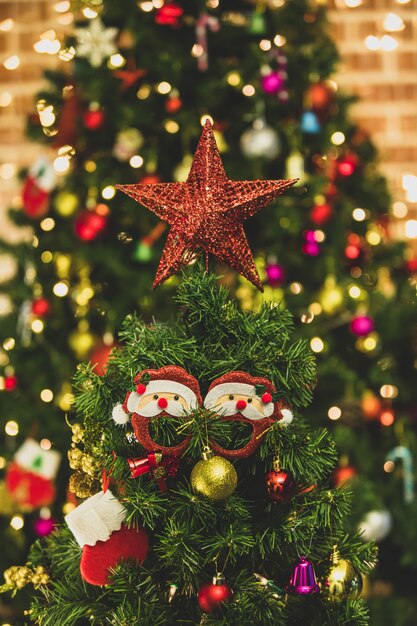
<point x="98" y="526"/>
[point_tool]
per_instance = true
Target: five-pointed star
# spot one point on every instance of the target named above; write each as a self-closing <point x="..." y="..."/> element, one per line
<point x="206" y="212"/>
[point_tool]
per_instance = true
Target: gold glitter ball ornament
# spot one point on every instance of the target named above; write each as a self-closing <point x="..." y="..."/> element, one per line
<point x="343" y="581"/>
<point x="213" y="477"/>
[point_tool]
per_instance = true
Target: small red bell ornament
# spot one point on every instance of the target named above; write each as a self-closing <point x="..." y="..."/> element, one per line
<point x="98" y="526"/>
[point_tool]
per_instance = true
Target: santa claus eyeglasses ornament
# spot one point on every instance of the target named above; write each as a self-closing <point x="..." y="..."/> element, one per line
<point x="167" y="392"/>
<point x="240" y="397"/>
<point x="173" y="392"/>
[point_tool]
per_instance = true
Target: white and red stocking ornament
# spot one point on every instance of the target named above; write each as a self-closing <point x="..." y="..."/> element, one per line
<point x="40" y="181"/>
<point x="167" y="392"/>
<point x="240" y="397"/>
<point x="30" y="476"/>
<point x="98" y="526"/>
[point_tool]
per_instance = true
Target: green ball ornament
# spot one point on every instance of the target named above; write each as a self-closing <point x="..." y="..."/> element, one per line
<point x="213" y="477"/>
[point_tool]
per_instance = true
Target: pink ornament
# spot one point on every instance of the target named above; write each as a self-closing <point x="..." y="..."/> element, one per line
<point x="362" y="325"/>
<point x="272" y="83"/>
<point x="275" y="274"/>
<point x="303" y="579"/>
<point x="311" y="248"/>
<point x="44" y="526"/>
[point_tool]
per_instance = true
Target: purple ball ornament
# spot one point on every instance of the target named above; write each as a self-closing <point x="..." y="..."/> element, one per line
<point x="44" y="526"/>
<point x="272" y="82"/>
<point x="362" y="325"/>
<point x="303" y="579"/>
<point x="275" y="274"/>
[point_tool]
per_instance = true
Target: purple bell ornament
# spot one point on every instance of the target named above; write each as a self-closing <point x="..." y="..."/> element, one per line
<point x="303" y="579"/>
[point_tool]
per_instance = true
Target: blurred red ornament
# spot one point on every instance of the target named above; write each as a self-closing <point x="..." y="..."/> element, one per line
<point x="347" y="165"/>
<point x="89" y="224"/>
<point x="371" y="405"/>
<point x="35" y="199"/>
<point x="411" y="265"/>
<point x="387" y="417"/>
<point x="93" y="119"/>
<point x="280" y="485"/>
<point x="10" y="383"/>
<point x="343" y="475"/>
<point x="100" y="357"/>
<point x="320" y="98"/>
<point x="311" y="248"/>
<point x="68" y="121"/>
<point x="211" y="595"/>
<point x="169" y="15"/>
<point x="150" y="179"/>
<point x="172" y="105"/>
<point x="352" y="252"/>
<point x="41" y="307"/>
<point x="321" y="213"/>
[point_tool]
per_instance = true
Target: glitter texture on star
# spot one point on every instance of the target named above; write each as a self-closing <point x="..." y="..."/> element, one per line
<point x="206" y="212"/>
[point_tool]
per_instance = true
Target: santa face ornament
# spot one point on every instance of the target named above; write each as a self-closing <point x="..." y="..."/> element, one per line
<point x="167" y="392"/>
<point x="236" y="396"/>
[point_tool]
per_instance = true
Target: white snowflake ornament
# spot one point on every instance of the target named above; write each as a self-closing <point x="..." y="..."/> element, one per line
<point x="96" y="42"/>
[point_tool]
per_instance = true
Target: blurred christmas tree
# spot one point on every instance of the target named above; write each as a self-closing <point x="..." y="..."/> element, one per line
<point x="230" y="544"/>
<point x="137" y="80"/>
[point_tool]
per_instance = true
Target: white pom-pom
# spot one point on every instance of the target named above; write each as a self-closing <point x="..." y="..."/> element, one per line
<point x="287" y="417"/>
<point x="119" y="415"/>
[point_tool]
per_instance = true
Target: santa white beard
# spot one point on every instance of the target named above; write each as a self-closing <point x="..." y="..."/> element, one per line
<point x="174" y="408"/>
<point x="228" y="409"/>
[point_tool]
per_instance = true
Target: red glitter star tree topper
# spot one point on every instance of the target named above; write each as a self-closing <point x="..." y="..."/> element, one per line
<point x="206" y="212"/>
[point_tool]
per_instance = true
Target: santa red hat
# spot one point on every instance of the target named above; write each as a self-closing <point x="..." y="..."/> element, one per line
<point x="168" y="379"/>
<point x="241" y="383"/>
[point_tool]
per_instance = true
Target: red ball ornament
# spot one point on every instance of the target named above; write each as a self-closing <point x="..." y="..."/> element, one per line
<point x="169" y="15"/>
<point x="89" y="224"/>
<point x="320" y="97"/>
<point x="321" y="213"/>
<point x="347" y="165"/>
<point x="100" y="357"/>
<point x="411" y="265"/>
<point x="10" y="383"/>
<point x="280" y="485"/>
<point x="93" y="119"/>
<point x="212" y="595"/>
<point x="343" y="475"/>
<point x="41" y="307"/>
<point x="172" y="105"/>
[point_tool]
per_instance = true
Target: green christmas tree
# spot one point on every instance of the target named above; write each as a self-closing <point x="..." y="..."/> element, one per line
<point x="174" y="512"/>
<point x="136" y="82"/>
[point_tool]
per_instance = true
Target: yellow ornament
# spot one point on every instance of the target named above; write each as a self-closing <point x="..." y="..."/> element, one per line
<point x="343" y="581"/>
<point x="81" y="341"/>
<point x="331" y="297"/>
<point x="66" y="203"/>
<point x="213" y="477"/>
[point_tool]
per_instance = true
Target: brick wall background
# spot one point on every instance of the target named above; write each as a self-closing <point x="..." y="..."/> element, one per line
<point x="386" y="83"/>
<point x="30" y="19"/>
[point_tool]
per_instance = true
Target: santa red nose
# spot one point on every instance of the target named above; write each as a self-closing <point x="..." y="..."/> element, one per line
<point x="241" y="404"/>
<point x="163" y="403"/>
